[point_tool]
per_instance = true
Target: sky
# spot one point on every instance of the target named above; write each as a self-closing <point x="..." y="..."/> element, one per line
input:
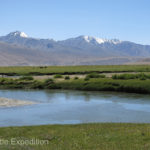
<point x="61" y="19"/>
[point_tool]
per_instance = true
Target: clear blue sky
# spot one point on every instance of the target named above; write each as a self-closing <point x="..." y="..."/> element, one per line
<point x="62" y="19"/>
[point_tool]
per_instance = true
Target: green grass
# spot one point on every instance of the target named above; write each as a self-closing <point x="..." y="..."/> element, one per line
<point x="105" y="136"/>
<point x="105" y="84"/>
<point x="141" y="76"/>
<point x="92" y="84"/>
<point x="72" y="69"/>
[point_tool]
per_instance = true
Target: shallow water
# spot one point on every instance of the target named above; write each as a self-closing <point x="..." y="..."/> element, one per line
<point x="71" y="107"/>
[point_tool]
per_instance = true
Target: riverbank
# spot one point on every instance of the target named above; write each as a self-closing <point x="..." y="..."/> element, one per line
<point x="118" y="78"/>
<point x="93" y="84"/>
<point x="105" y="136"/>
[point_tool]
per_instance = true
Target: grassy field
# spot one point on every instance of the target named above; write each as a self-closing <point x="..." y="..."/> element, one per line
<point x="72" y="69"/>
<point x="105" y="136"/>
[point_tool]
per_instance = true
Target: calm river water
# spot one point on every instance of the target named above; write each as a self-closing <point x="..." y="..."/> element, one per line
<point x="73" y="107"/>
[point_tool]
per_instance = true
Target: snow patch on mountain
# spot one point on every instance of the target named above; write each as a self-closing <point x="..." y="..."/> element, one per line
<point x="17" y="34"/>
<point x="96" y="40"/>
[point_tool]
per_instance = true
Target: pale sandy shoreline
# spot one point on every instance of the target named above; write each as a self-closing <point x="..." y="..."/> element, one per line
<point x="6" y="102"/>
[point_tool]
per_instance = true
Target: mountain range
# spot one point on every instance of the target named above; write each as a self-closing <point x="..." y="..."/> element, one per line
<point x="17" y="49"/>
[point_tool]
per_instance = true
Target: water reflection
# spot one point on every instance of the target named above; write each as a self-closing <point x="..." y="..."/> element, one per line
<point x="65" y="107"/>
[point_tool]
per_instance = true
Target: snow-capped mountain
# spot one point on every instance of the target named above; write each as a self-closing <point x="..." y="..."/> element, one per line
<point x="92" y="40"/>
<point x="81" y="50"/>
<point x="105" y="47"/>
<point x="21" y="39"/>
<point x="17" y="34"/>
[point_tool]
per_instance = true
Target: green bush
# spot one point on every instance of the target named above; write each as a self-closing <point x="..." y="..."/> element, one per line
<point x="58" y="76"/>
<point x="140" y="76"/>
<point x="76" y="78"/>
<point x="114" y="76"/>
<point x="93" y="75"/>
<point x="26" y="78"/>
<point x="86" y="78"/>
<point x="49" y="81"/>
<point x="6" y="81"/>
<point x="67" y="78"/>
<point x="102" y="76"/>
<point x="126" y="76"/>
<point x="37" y="85"/>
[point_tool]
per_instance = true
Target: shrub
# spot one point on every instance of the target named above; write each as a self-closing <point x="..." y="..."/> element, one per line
<point x="37" y="85"/>
<point x="93" y="75"/>
<point x="76" y="78"/>
<point x="67" y="78"/>
<point x="131" y="76"/>
<point x="58" y="76"/>
<point x="142" y="78"/>
<point x="102" y="76"/>
<point x="26" y="78"/>
<point x="86" y="78"/>
<point x="114" y="76"/>
<point x="4" y="81"/>
<point x="49" y="81"/>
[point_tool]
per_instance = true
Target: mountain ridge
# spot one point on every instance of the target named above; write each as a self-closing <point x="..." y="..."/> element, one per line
<point x="81" y="50"/>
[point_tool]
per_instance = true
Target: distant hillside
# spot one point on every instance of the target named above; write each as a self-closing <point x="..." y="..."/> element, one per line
<point x="17" y="48"/>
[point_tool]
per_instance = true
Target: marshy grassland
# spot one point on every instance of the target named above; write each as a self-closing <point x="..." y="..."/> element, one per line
<point x="131" y="83"/>
<point x="104" y="136"/>
<point x="99" y="136"/>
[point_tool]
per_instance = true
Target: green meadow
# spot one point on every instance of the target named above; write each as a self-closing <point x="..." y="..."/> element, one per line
<point x="46" y="70"/>
<point x="104" y="136"/>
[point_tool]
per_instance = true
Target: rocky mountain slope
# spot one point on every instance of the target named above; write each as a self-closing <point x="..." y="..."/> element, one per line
<point x="17" y="48"/>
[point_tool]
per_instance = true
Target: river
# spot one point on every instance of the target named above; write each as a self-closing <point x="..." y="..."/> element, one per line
<point x="73" y="107"/>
